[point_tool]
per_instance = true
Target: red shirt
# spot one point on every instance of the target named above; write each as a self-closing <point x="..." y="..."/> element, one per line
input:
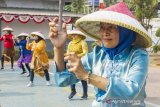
<point x="8" y="41"/>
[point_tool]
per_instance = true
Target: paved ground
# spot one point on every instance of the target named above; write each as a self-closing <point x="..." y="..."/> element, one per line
<point x="14" y="92"/>
<point x="153" y="87"/>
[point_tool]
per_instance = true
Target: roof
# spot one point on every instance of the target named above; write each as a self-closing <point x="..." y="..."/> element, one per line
<point x="37" y="4"/>
<point x="43" y="12"/>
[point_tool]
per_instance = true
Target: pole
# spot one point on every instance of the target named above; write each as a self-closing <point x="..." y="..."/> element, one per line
<point x="0" y="36"/>
<point x="88" y="8"/>
<point x="84" y="7"/>
<point x="93" y="6"/>
<point x="60" y="14"/>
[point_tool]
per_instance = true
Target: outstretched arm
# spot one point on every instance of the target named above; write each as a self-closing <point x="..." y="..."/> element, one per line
<point x="58" y="39"/>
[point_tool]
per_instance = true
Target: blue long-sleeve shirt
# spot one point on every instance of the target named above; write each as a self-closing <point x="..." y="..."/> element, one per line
<point x="127" y="74"/>
<point x="22" y="47"/>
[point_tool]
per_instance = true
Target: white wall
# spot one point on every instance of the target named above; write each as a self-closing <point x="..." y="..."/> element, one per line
<point x="40" y="4"/>
<point x="32" y="26"/>
<point x="28" y="27"/>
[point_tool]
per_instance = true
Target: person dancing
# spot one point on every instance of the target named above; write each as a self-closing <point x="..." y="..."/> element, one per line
<point x="40" y="62"/>
<point x="80" y="47"/>
<point x="25" y="55"/>
<point x="8" y="51"/>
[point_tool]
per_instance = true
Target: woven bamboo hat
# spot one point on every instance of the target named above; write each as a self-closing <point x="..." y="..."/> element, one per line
<point x="118" y="14"/>
<point x="23" y="34"/>
<point x="38" y="33"/>
<point x="7" y="28"/>
<point x="75" y="31"/>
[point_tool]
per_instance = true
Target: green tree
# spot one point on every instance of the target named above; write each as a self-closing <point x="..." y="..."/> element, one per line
<point x="77" y="6"/>
<point x="110" y="2"/>
<point x="156" y="47"/>
<point x="158" y="32"/>
<point x="144" y="10"/>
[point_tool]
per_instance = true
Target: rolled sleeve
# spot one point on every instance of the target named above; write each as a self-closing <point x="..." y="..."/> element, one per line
<point x="64" y="78"/>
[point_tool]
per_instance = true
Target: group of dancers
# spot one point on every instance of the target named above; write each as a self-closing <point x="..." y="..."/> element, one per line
<point x="33" y="56"/>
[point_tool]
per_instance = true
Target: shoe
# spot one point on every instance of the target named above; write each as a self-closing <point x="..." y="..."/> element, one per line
<point x="2" y="68"/>
<point x="48" y="83"/>
<point x="72" y="94"/>
<point x="84" y="97"/>
<point x="12" y="69"/>
<point x="28" y="75"/>
<point x="23" y="73"/>
<point x="30" y="84"/>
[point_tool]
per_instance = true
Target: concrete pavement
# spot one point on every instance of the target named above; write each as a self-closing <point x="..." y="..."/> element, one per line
<point x="14" y="92"/>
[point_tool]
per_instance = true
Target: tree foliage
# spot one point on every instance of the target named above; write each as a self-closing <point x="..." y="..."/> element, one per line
<point x="144" y="10"/>
<point x="77" y="6"/>
<point x="158" y="32"/>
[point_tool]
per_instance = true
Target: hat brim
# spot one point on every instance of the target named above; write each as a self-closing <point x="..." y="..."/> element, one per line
<point x="38" y="34"/>
<point x="70" y="33"/>
<point x="23" y="35"/>
<point x="90" y="25"/>
<point x="8" y="29"/>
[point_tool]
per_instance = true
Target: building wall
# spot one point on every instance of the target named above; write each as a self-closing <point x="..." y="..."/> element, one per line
<point x="28" y="27"/>
<point x="37" y="4"/>
<point x="32" y="26"/>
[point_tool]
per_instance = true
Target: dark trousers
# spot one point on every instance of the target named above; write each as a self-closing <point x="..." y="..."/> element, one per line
<point x="27" y="66"/>
<point x="84" y="85"/>
<point x="2" y="61"/>
<point x="46" y="75"/>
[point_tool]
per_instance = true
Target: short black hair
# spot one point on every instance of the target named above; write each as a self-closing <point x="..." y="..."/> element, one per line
<point x="39" y="38"/>
<point x="9" y="31"/>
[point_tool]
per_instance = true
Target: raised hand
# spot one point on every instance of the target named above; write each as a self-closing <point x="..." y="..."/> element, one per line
<point x="15" y="39"/>
<point x="75" y="65"/>
<point x="27" y="39"/>
<point x="4" y="37"/>
<point x="58" y="38"/>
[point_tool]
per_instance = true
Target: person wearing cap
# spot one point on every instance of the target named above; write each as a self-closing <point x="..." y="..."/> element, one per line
<point x="8" y="52"/>
<point x="40" y="62"/>
<point x="25" y="55"/>
<point x="118" y="68"/>
<point x="80" y="47"/>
